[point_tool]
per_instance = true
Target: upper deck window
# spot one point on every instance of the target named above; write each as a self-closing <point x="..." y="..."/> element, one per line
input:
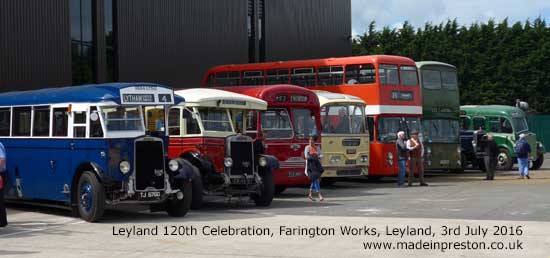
<point x="408" y="75"/>
<point x="276" y="124"/>
<point x="449" y="80"/>
<point x="253" y="78"/>
<point x="330" y="75"/>
<point x="431" y="79"/>
<point x="41" y="121"/>
<point x="122" y="118"/>
<point x="388" y="74"/>
<point x="215" y="119"/>
<point x="279" y="76"/>
<point x="21" y="125"/>
<point x="228" y="78"/>
<point x="5" y="118"/>
<point x="360" y="74"/>
<point x="303" y="77"/>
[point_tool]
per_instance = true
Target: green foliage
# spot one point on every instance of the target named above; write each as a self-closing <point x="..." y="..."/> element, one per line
<point x="497" y="62"/>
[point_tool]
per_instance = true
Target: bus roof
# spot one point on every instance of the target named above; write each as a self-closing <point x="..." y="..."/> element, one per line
<point x="269" y="93"/>
<point x="215" y="98"/>
<point x="326" y="97"/>
<point x="492" y="110"/>
<point x="89" y="93"/>
<point x="434" y="63"/>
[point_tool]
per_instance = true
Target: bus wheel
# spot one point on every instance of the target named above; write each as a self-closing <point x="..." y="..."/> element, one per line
<point x="178" y="208"/>
<point x="197" y="188"/>
<point x="267" y="191"/>
<point x="279" y="189"/>
<point x="504" y="160"/>
<point x="538" y="163"/>
<point x="90" y="197"/>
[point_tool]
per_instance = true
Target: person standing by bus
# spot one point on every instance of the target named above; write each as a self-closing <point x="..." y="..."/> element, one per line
<point x="522" y="151"/>
<point x="259" y="143"/>
<point x="490" y="158"/>
<point x="417" y="158"/>
<point x="3" y="215"/>
<point x="402" y="156"/>
<point x="314" y="169"/>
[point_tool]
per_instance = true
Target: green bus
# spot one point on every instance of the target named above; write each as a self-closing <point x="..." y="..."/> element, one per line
<point x="440" y="121"/>
<point x="505" y="123"/>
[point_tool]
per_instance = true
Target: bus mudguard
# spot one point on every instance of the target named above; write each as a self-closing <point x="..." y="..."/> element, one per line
<point x="204" y="164"/>
<point x="185" y="171"/>
<point x="272" y="161"/>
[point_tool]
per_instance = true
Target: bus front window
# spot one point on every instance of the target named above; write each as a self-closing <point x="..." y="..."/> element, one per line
<point x="520" y="124"/>
<point x="122" y="118"/>
<point x="215" y="119"/>
<point x="440" y="130"/>
<point x="304" y="123"/>
<point x="389" y="126"/>
<point x="276" y="124"/>
<point x="340" y="119"/>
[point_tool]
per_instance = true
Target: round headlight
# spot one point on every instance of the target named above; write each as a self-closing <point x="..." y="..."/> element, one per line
<point x="228" y="162"/>
<point x="364" y="158"/>
<point x="458" y="149"/>
<point x="429" y="150"/>
<point x="334" y="159"/>
<point x="262" y="161"/>
<point x="173" y="165"/>
<point x="124" y="167"/>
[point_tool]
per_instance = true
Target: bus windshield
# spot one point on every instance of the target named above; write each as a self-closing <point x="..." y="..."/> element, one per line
<point x="276" y="124"/>
<point x="389" y="126"/>
<point x="343" y="119"/>
<point x="304" y="123"/>
<point x="122" y="118"/>
<point x="440" y="130"/>
<point x="215" y="119"/>
<point x="520" y="124"/>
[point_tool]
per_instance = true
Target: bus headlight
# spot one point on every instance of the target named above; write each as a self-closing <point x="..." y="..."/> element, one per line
<point x="124" y="167"/>
<point x="228" y="162"/>
<point x="262" y="161"/>
<point x="389" y="158"/>
<point x="173" y="165"/>
<point x="458" y="150"/>
<point x="364" y="158"/>
<point x="428" y="150"/>
<point x="335" y="159"/>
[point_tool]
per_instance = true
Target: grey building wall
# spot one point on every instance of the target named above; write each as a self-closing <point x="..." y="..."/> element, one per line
<point x="35" y="48"/>
<point x="175" y="42"/>
<point x="302" y="29"/>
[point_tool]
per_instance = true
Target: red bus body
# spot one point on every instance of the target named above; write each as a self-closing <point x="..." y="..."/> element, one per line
<point x="372" y="78"/>
<point x="288" y="151"/>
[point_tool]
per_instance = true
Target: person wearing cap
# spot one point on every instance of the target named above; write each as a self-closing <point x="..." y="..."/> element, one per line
<point x="523" y="149"/>
<point x="402" y="156"/>
<point x="416" y="150"/>
<point x="3" y="214"/>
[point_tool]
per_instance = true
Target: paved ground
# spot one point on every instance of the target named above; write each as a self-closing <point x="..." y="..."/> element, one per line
<point x="451" y="200"/>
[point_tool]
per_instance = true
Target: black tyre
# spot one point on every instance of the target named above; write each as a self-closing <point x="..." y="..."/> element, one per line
<point x="279" y="189"/>
<point x="197" y="188"/>
<point x="90" y="197"/>
<point x="267" y="189"/>
<point x="538" y="163"/>
<point x="327" y="181"/>
<point x="178" y="208"/>
<point x="504" y="160"/>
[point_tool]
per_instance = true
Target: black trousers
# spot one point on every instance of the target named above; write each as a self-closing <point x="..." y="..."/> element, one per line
<point x="490" y="166"/>
<point x="3" y="215"/>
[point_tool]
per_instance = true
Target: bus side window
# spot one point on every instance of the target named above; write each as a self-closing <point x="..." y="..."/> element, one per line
<point x="190" y="123"/>
<point x="494" y="124"/>
<point x="279" y="76"/>
<point x="95" y="124"/>
<point x="303" y="76"/>
<point x="21" y="125"/>
<point x="465" y="122"/>
<point x="506" y="126"/>
<point x="79" y="124"/>
<point x="479" y="123"/>
<point x="330" y="75"/>
<point x="60" y="122"/>
<point x="174" y="122"/>
<point x="5" y="121"/>
<point x="360" y="74"/>
<point x="41" y="121"/>
<point x="370" y="124"/>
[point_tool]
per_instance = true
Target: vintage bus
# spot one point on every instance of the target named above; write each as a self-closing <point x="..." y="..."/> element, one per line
<point x="440" y="120"/>
<point x="389" y="84"/>
<point x="88" y="147"/>
<point x="292" y="115"/>
<point x="505" y="123"/>
<point x="345" y="139"/>
<point x="207" y="131"/>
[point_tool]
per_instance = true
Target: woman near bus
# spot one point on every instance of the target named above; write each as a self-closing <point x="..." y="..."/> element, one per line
<point x="314" y="169"/>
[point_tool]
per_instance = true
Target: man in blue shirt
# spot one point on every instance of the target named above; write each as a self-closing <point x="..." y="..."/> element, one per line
<point x="3" y="215"/>
<point x="523" y="149"/>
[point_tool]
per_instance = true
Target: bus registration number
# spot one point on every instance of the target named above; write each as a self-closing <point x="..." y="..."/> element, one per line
<point x="149" y="196"/>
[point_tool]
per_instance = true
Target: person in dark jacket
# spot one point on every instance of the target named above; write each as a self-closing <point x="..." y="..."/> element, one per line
<point x="259" y="143"/>
<point x="3" y="214"/>
<point x="402" y="156"/>
<point x="314" y="169"/>
<point x="490" y="158"/>
<point x="522" y="151"/>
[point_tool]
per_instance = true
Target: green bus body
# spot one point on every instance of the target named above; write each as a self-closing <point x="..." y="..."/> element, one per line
<point x="505" y="123"/>
<point x="441" y="116"/>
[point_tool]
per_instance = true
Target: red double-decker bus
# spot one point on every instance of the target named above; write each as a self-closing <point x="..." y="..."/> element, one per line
<point x="292" y="115"/>
<point x="389" y="85"/>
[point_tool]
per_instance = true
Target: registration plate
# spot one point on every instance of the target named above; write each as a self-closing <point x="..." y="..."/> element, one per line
<point x="240" y="180"/>
<point x="351" y="151"/>
<point x="149" y="196"/>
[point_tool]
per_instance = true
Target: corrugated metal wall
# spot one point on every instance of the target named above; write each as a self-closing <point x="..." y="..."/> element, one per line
<point x="34" y="44"/>
<point x="539" y="125"/>
<point x="307" y="29"/>
<point x="175" y="42"/>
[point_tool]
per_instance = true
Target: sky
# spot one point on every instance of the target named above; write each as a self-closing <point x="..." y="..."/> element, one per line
<point x="393" y="13"/>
